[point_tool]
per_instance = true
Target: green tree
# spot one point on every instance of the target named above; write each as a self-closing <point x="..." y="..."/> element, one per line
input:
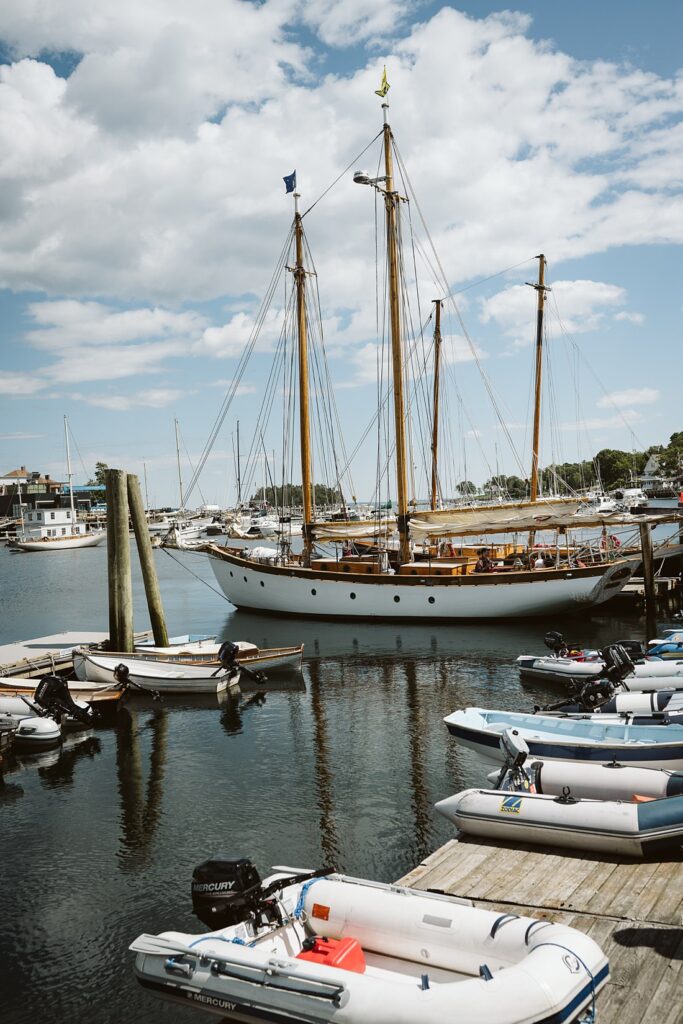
<point x="671" y="458"/>
<point x="100" y="478"/>
<point x="292" y="495"/>
<point x="616" y="468"/>
<point x="466" y="487"/>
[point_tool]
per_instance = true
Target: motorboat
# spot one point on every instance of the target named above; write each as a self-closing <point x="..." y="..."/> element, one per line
<point x="154" y="674"/>
<point x="609" y="808"/>
<point x="40" y="720"/>
<point x="573" y="669"/>
<point x="318" y="947"/>
<point x="570" y="738"/>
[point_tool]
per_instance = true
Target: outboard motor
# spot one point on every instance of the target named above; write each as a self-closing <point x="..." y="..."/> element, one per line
<point x="225" y="890"/>
<point x="556" y="643"/>
<point x="618" y="664"/>
<point x="53" y="697"/>
<point x="228" y="890"/>
<point x="228" y="653"/>
<point x="513" y="775"/>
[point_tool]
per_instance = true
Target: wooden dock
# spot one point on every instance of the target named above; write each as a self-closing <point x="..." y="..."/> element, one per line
<point x="633" y="910"/>
<point x="26" y="658"/>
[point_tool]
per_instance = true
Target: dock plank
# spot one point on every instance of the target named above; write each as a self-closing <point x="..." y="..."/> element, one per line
<point x="632" y="909"/>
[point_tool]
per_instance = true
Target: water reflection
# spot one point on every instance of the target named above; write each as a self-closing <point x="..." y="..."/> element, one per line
<point x="329" y="839"/>
<point x="417" y="739"/>
<point x="233" y="709"/>
<point x="140" y="803"/>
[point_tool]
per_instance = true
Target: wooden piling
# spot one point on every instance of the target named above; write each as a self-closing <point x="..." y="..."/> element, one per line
<point x="149" y="572"/>
<point x="648" y="580"/>
<point x="118" y="564"/>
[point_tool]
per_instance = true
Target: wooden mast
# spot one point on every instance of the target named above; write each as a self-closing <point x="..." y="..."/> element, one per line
<point x="391" y="199"/>
<point x="540" y="291"/>
<point x="435" y="413"/>
<point x="304" y="412"/>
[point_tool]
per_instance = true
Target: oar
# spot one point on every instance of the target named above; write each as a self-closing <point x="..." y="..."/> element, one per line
<point x="156" y="945"/>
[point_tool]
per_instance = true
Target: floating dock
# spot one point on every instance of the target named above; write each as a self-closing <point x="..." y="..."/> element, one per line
<point x="49" y="653"/>
<point x="632" y="909"/>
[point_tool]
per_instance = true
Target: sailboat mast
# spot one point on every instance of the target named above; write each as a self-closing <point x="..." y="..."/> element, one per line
<point x="540" y="291"/>
<point x="304" y="412"/>
<point x="69" y="473"/>
<point x="239" y="469"/>
<point x="435" y="409"/>
<point x="392" y="200"/>
<point x="180" y="476"/>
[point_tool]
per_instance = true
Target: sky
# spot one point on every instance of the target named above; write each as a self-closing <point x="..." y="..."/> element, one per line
<point x="142" y="150"/>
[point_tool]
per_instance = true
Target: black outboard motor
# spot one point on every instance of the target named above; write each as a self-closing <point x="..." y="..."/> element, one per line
<point x="228" y="891"/>
<point x="556" y="643"/>
<point x="228" y="653"/>
<point x="618" y="663"/>
<point x="225" y="890"/>
<point x="53" y="696"/>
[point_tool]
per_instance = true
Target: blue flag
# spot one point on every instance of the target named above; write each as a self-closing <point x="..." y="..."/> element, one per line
<point x="290" y="182"/>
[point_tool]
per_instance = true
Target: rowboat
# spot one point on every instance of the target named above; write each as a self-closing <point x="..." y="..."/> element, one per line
<point x="301" y="947"/>
<point x="262" y="659"/>
<point x="569" y="739"/>
<point x="154" y="674"/>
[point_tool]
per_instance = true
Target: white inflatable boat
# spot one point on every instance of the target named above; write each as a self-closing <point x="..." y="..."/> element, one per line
<point x="300" y="948"/>
<point x="29" y="731"/>
<point x="634" y="829"/>
<point x="647" y="675"/>
<point x="596" y="781"/>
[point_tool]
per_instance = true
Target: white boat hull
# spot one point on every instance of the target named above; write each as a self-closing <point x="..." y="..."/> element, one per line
<point x="276" y="659"/>
<point x="422" y="956"/>
<point x="646" y="676"/>
<point x="291" y="591"/>
<point x="86" y="540"/>
<point x="153" y="675"/>
<point x="605" y="826"/>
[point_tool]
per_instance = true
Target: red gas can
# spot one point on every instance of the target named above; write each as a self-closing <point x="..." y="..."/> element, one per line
<point x="344" y="953"/>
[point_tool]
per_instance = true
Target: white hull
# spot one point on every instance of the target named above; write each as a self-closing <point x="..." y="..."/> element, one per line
<point x="153" y="675"/>
<point x="647" y="676"/>
<point x="606" y="826"/>
<point x="275" y="659"/>
<point x="305" y="592"/>
<point x="421" y="952"/>
<point x="86" y="540"/>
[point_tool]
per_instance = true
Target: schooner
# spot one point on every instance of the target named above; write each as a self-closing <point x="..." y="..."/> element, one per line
<point x="413" y="578"/>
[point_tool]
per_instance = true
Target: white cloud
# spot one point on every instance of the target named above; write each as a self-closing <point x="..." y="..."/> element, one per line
<point x="631" y="396"/>
<point x="582" y="306"/>
<point x="19" y="384"/>
<point x="153" y="398"/>
<point x="633" y="318"/>
<point x="625" y="418"/>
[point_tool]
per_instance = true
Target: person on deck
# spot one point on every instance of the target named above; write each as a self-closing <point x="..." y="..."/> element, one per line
<point x="484" y="563"/>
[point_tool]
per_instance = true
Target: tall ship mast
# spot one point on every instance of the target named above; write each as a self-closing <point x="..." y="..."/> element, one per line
<point x="412" y="577"/>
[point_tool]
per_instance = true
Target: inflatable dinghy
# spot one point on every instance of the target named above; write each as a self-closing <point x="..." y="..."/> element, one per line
<point x="29" y="731"/>
<point x="38" y="721"/>
<point x="647" y="675"/>
<point x="606" y="826"/>
<point x="303" y="948"/>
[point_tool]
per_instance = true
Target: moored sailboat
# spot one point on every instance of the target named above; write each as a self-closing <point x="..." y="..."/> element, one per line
<point x="410" y="578"/>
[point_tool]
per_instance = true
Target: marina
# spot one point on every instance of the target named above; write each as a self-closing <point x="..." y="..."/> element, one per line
<point x="360" y="699"/>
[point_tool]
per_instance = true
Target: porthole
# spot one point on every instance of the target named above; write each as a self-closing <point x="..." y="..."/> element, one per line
<point x="231" y="572"/>
<point x="262" y="583"/>
<point x="245" y="579"/>
<point x="352" y="596"/>
<point x="314" y="591"/>
<point x="431" y="600"/>
<point x="396" y="598"/>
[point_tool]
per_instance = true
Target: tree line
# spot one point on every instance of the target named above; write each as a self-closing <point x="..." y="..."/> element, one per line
<point x="611" y="468"/>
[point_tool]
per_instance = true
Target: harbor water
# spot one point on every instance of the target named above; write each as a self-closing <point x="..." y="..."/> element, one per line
<point x="99" y="839"/>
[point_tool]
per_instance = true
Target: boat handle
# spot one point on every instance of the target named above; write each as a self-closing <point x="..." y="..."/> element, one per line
<point x="500" y="921"/>
<point x="182" y="967"/>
